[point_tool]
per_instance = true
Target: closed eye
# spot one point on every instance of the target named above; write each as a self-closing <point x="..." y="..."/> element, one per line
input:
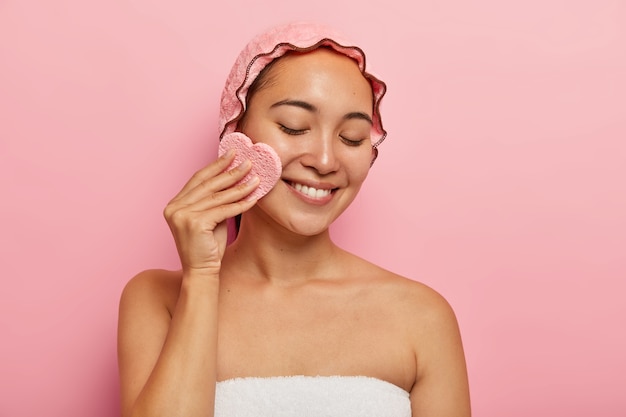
<point x="291" y="131"/>
<point x="351" y="142"/>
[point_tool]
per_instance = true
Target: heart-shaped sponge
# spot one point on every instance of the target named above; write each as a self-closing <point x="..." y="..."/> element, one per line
<point x="265" y="162"/>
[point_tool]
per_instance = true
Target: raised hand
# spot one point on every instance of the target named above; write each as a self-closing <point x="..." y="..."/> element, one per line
<point x="197" y="214"/>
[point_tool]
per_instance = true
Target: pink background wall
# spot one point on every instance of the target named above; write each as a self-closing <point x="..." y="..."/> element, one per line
<point x="502" y="183"/>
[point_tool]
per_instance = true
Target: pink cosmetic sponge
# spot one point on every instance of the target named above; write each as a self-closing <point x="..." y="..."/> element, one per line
<point x="265" y="162"/>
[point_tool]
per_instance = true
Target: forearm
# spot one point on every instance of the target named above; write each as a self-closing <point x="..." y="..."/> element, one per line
<point x="182" y="382"/>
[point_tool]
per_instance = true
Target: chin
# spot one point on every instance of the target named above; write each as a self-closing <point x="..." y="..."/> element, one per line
<point x="307" y="226"/>
<point x="311" y="233"/>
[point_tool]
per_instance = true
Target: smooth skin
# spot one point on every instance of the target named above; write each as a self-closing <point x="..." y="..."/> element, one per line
<point x="291" y="302"/>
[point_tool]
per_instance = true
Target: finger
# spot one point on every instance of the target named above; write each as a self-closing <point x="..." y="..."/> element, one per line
<point x="210" y="186"/>
<point x="231" y="210"/>
<point x="221" y="236"/>
<point x="184" y="221"/>
<point x="213" y="208"/>
<point x="224" y="197"/>
<point x="211" y="170"/>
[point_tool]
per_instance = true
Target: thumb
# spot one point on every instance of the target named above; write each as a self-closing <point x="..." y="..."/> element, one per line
<point x="221" y="236"/>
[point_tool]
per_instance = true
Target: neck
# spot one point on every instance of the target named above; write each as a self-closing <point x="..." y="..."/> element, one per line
<point x="280" y="256"/>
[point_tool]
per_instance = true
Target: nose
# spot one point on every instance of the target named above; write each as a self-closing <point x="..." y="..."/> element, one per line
<point x="321" y="155"/>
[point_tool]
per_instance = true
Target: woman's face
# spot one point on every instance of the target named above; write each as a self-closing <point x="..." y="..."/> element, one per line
<point x="316" y="112"/>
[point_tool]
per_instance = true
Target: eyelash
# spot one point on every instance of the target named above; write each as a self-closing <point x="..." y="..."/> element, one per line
<point x="293" y="132"/>
<point x="296" y="132"/>
<point x="350" y="142"/>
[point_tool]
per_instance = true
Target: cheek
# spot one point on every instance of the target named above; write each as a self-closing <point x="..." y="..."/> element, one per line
<point x="362" y="173"/>
<point x="262" y="131"/>
<point x="359" y="165"/>
<point x="286" y="151"/>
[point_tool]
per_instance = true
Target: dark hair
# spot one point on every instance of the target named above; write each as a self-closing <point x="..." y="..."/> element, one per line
<point x="263" y="80"/>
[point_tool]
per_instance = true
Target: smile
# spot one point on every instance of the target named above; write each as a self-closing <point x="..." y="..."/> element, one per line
<point x="310" y="191"/>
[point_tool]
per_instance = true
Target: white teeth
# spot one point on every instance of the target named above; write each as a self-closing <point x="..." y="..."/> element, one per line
<point x="310" y="191"/>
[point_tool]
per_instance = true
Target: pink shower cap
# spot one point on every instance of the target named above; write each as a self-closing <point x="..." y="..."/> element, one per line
<point x="266" y="47"/>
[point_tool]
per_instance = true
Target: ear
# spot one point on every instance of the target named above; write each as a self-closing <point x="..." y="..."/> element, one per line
<point x="374" y="155"/>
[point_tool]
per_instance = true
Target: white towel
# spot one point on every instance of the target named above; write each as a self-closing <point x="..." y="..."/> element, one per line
<point x="310" y="396"/>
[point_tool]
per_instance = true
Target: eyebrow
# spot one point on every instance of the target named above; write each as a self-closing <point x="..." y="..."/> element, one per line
<point x="310" y="107"/>
<point x="296" y="103"/>
<point x="358" y="115"/>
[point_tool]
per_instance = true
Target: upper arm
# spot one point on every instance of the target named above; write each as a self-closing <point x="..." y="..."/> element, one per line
<point x="441" y="387"/>
<point x="142" y="328"/>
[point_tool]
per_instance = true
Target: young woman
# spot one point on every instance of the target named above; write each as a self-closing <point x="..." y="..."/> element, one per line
<point x="282" y="322"/>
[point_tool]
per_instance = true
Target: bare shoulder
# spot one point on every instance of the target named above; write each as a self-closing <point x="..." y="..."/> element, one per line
<point x="417" y="302"/>
<point x="431" y="328"/>
<point x="146" y="306"/>
<point x="430" y="318"/>
<point x="152" y="287"/>
<point x="421" y="300"/>
<point x="145" y="313"/>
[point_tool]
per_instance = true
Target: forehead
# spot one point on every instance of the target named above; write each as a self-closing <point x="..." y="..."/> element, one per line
<point x="322" y="74"/>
